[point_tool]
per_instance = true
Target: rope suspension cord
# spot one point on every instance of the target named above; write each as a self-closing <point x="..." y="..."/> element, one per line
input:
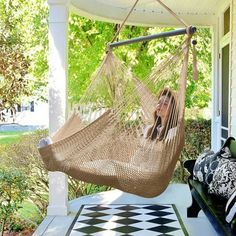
<point x="194" y="42"/>
<point x="173" y="13"/>
<point x="118" y="32"/>
<point x="187" y="30"/>
<point x="123" y="23"/>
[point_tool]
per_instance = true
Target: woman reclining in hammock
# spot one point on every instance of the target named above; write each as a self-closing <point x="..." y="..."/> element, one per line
<point x="165" y="117"/>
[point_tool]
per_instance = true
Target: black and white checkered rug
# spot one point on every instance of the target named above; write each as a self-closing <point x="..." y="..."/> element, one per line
<point x="143" y="220"/>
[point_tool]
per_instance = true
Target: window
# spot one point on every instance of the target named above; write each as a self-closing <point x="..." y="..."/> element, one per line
<point x="227" y="21"/>
<point x="225" y="92"/>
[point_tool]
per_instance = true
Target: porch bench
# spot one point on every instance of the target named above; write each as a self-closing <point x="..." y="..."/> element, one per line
<point x="213" y="206"/>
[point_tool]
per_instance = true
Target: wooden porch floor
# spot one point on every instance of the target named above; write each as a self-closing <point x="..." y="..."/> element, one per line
<point x="178" y="194"/>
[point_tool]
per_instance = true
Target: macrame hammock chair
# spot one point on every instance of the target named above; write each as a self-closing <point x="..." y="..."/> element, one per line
<point x="103" y="141"/>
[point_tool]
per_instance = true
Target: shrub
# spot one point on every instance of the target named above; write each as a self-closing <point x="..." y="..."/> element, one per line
<point x="13" y="190"/>
<point x="79" y="188"/>
<point x="197" y="138"/>
<point x="24" y="154"/>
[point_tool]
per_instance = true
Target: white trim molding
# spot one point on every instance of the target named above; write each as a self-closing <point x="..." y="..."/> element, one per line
<point x="58" y="70"/>
<point x="215" y="124"/>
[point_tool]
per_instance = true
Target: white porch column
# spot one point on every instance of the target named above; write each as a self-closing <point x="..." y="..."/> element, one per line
<point x="58" y="31"/>
<point x="215" y="122"/>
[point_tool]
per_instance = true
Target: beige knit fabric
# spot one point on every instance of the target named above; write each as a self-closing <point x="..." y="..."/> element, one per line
<point x="103" y="141"/>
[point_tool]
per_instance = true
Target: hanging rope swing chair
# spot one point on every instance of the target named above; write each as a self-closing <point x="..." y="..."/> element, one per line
<point x="116" y="136"/>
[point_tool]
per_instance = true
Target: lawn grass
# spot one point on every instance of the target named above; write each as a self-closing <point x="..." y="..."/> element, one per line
<point x="11" y="136"/>
<point x="30" y="212"/>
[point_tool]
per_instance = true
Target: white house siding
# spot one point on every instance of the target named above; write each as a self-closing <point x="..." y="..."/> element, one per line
<point x="233" y="73"/>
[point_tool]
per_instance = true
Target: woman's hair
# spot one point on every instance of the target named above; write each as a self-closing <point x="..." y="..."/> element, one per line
<point x="171" y="120"/>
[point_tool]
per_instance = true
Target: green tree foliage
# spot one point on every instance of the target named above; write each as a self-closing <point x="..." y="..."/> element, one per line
<point x="13" y="63"/>
<point x="23" y="44"/>
<point x="24" y="49"/>
<point x="35" y="31"/>
<point x="87" y="46"/>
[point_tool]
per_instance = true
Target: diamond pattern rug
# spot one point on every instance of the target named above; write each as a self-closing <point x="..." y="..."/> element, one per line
<point x="136" y="220"/>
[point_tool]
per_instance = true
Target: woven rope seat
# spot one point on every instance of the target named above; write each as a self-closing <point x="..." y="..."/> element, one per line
<point x="104" y="141"/>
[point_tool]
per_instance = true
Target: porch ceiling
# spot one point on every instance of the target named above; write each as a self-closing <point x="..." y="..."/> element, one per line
<point x="149" y="12"/>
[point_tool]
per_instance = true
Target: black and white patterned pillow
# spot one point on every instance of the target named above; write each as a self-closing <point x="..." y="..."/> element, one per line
<point x="224" y="178"/>
<point x="230" y="209"/>
<point x="207" y="163"/>
<point x="205" y="166"/>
